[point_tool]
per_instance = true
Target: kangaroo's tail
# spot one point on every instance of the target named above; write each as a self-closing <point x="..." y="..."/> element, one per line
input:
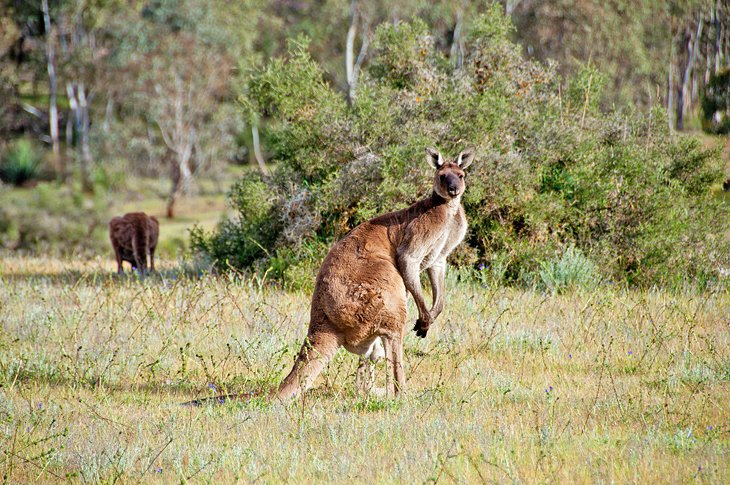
<point x="222" y="399"/>
<point x="316" y="352"/>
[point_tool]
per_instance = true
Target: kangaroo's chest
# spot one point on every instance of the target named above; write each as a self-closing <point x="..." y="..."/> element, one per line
<point x="444" y="243"/>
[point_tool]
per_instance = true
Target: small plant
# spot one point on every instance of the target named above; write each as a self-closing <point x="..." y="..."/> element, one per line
<point x="20" y="163"/>
<point x="572" y="270"/>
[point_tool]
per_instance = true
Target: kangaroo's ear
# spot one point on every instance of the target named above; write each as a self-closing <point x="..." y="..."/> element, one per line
<point x="465" y="158"/>
<point x="434" y="158"/>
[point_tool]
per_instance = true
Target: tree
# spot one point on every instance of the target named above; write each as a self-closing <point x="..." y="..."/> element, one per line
<point x="52" y="82"/>
<point x="652" y="52"/>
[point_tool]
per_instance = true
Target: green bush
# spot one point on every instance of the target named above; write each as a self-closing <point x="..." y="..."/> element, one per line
<point x="571" y="270"/>
<point x="552" y="172"/>
<point x="20" y="163"/>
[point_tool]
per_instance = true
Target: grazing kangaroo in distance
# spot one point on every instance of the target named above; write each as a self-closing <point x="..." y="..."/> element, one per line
<point x="360" y="292"/>
<point x="134" y="237"/>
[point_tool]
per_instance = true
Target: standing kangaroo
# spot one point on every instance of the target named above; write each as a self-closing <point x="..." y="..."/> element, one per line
<point x="360" y="292"/>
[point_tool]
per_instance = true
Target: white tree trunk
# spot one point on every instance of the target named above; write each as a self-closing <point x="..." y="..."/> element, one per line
<point x="86" y="157"/>
<point x="52" y="105"/>
<point x="670" y="87"/>
<point x="457" y="46"/>
<point x="350" y="43"/>
<point x="257" y="150"/>
<point x="718" y="51"/>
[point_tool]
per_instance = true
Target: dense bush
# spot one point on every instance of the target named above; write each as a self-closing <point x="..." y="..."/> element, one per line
<point x="20" y="163"/>
<point x="553" y="172"/>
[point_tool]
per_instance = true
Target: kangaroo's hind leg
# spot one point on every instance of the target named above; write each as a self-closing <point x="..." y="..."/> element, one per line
<point x="317" y="350"/>
<point x="395" y="379"/>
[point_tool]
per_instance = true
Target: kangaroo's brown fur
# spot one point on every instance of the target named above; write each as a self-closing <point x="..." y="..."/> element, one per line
<point x="361" y="289"/>
<point x="134" y="237"/>
<point x="360" y="292"/>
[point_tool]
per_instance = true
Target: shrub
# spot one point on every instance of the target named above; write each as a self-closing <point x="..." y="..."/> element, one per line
<point x="570" y="271"/>
<point x="20" y="163"/>
<point x="553" y="172"/>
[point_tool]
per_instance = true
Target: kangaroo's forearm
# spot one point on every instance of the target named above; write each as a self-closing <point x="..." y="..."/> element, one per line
<point x="409" y="270"/>
<point x="436" y="277"/>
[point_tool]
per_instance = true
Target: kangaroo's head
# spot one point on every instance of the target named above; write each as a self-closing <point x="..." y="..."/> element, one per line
<point x="448" y="182"/>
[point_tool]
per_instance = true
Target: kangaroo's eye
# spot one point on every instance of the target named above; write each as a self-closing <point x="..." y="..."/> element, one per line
<point x="443" y="178"/>
<point x="461" y="176"/>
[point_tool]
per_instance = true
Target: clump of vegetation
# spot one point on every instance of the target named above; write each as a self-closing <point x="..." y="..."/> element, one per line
<point x="569" y="271"/>
<point x="553" y="171"/>
<point x="716" y="104"/>
<point x="20" y="163"/>
<point x="53" y="218"/>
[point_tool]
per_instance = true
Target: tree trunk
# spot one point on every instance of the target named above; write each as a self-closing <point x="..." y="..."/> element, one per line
<point x="457" y="46"/>
<point x="257" y="150"/>
<point x="52" y="105"/>
<point x="79" y="110"/>
<point x="175" y="191"/>
<point x="182" y="176"/>
<point x="670" y="86"/>
<point x="718" y="53"/>
<point x="350" y="49"/>
<point x="181" y="180"/>
<point x="685" y="71"/>
<point x="86" y="157"/>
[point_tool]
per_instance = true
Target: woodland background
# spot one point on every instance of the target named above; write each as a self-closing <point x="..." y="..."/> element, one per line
<point x="580" y="111"/>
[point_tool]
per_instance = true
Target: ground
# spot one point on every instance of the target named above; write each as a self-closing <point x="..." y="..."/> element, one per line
<point x="509" y="386"/>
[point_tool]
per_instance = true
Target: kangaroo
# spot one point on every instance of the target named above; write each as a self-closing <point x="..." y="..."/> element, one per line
<point x="361" y="290"/>
<point x="133" y="237"/>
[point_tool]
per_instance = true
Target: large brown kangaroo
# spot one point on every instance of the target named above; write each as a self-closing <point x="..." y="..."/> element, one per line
<point x="360" y="292"/>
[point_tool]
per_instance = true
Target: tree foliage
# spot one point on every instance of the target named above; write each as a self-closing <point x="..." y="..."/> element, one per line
<point x="554" y="172"/>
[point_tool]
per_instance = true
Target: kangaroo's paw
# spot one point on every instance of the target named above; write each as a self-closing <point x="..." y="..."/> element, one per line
<point x="421" y="328"/>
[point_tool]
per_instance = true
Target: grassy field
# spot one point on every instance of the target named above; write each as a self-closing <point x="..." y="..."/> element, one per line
<point x="509" y="386"/>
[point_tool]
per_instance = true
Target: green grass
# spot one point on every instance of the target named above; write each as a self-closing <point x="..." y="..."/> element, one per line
<point x="509" y="386"/>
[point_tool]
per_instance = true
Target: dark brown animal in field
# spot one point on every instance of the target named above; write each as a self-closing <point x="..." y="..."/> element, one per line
<point x="134" y="237"/>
